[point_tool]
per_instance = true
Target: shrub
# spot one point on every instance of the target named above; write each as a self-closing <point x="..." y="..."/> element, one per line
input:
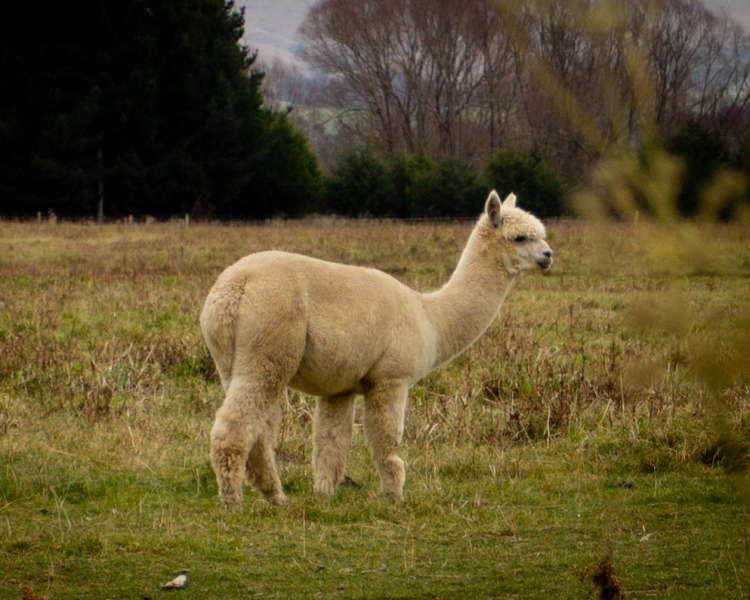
<point x="703" y="152"/>
<point x="525" y="175"/>
<point x="458" y="193"/>
<point x="416" y="186"/>
<point x="359" y="185"/>
<point x="413" y="178"/>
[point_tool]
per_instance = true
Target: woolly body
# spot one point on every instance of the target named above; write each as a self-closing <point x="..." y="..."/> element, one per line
<point x="276" y="319"/>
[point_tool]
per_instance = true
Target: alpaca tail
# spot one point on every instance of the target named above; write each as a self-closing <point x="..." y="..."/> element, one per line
<point x="219" y="323"/>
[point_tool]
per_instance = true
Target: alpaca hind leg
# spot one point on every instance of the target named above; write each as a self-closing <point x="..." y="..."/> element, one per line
<point x="238" y="425"/>
<point x="332" y="435"/>
<point x="261" y="462"/>
<point x="385" y="406"/>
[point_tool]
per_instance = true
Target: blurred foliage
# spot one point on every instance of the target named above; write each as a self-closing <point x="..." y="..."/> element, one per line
<point x="654" y="185"/>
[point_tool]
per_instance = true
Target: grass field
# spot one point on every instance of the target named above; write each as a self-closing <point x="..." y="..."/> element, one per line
<point x="598" y="432"/>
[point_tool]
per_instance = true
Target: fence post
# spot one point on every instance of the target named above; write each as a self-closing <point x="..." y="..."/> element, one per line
<point x="184" y="223"/>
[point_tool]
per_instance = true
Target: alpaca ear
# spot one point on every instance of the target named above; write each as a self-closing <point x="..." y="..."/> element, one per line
<point x="492" y="209"/>
<point x="510" y="201"/>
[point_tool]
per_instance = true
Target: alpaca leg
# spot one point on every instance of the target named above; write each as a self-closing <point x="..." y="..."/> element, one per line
<point x="385" y="406"/>
<point x="225" y="376"/>
<point x="261" y="462"/>
<point x="238" y="425"/>
<point x="332" y="436"/>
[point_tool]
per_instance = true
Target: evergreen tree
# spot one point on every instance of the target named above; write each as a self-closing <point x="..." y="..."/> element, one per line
<point x="152" y="101"/>
<point x="207" y="105"/>
<point x="285" y="179"/>
<point x="49" y="110"/>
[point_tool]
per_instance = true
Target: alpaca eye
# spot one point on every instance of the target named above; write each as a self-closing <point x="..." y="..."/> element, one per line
<point x="519" y="238"/>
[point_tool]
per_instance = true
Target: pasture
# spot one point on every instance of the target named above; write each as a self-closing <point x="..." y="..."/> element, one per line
<point x="598" y="431"/>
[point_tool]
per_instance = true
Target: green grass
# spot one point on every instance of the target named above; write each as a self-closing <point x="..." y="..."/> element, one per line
<point x="605" y="413"/>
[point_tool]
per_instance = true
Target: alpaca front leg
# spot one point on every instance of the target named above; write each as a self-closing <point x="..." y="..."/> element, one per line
<point x="332" y="435"/>
<point x="385" y="406"/>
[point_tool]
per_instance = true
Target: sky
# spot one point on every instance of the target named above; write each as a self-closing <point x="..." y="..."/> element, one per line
<point x="739" y="10"/>
<point x="271" y="25"/>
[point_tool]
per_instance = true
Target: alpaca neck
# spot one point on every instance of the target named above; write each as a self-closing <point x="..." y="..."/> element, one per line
<point x="466" y="306"/>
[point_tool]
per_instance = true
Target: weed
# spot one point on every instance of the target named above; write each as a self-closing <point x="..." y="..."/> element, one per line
<point x="602" y="575"/>
<point x="28" y="594"/>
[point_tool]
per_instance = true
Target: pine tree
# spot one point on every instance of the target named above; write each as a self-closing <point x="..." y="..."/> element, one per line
<point x="153" y="103"/>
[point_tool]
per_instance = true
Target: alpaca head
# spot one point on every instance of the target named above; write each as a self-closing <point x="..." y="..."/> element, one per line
<point x="523" y="233"/>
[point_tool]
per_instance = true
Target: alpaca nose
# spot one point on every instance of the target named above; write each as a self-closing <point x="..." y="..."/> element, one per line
<point x="546" y="261"/>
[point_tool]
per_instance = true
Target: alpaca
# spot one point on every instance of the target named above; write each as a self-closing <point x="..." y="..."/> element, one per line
<point x="275" y="319"/>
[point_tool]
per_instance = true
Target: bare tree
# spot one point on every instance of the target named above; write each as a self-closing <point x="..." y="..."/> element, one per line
<point x="602" y="75"/>
<point x="356" y="43"/>
<point x="573" y="79"/>
<point x="416" y="70"/>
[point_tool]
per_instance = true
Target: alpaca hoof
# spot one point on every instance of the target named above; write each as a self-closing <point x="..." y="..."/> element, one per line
<point x="232" y="505"/>
<point x="231" y="499"/>
<point x="324" y="489"/>
<point x="276" y="498"/>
